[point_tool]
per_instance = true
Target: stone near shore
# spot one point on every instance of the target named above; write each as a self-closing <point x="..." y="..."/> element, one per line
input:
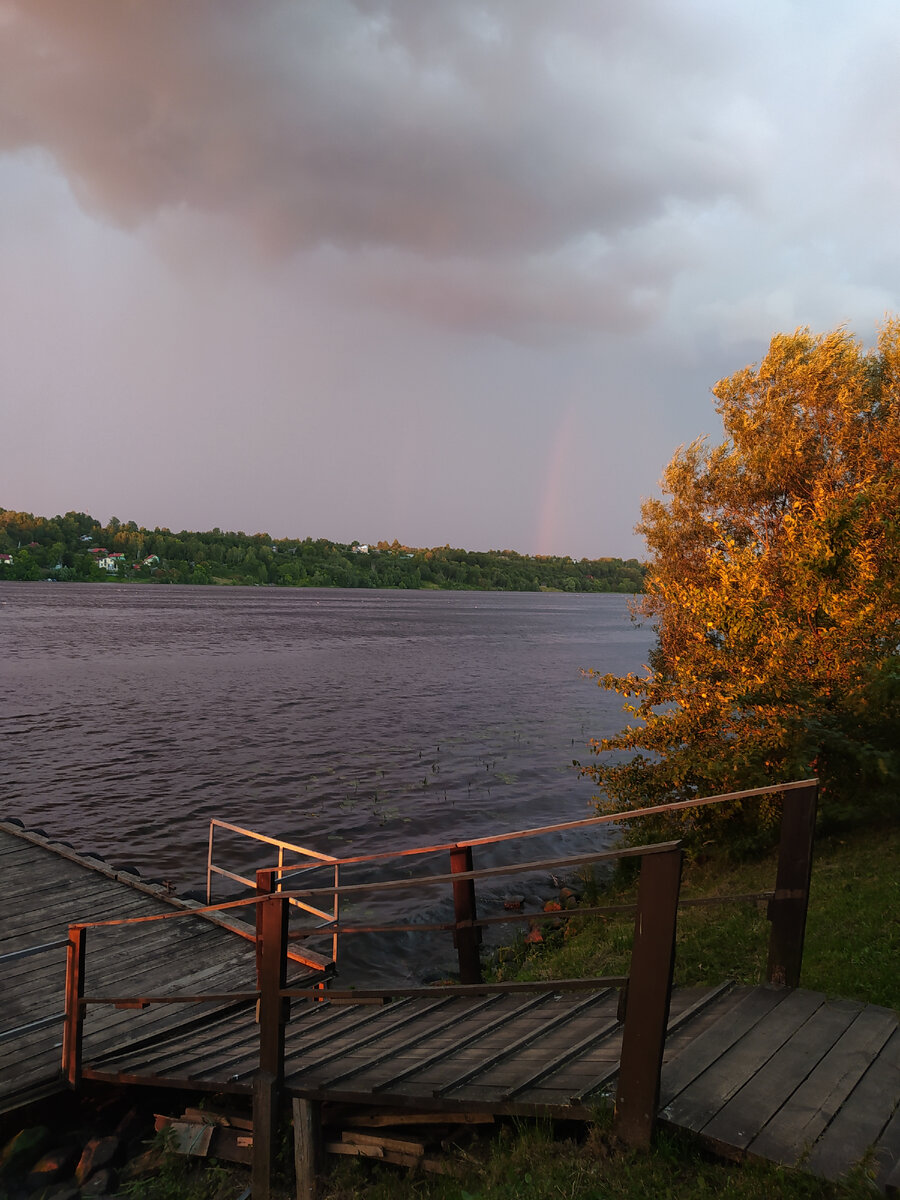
<point x="24" y="1148"/>
<point x="99" y="1152"/>
<point x="52" y="1167"/>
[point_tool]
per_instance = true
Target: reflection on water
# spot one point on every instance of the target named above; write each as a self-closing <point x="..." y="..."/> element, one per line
<point x="347" y="721"/>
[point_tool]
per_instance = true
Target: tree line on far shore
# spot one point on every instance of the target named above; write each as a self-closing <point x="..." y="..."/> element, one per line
<point x="69" y="548"/>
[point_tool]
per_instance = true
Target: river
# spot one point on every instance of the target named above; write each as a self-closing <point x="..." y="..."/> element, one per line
<point x="348" y="721"/>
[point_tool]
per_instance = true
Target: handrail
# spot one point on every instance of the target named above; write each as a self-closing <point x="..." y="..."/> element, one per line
<point x="583" y="823"/>
<point x="30" y="950"/>
<point x="331" y="921"/>
<point x="394" y="884"/>
<point x="317" y="859"/>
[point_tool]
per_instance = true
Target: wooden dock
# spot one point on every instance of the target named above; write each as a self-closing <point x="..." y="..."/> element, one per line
<point x="768" y="1073"/>
<point x="45" y="887"/>
<point x="191" y="999"/>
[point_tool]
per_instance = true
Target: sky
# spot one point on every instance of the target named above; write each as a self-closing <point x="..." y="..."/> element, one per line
<point x="443" y="272"/>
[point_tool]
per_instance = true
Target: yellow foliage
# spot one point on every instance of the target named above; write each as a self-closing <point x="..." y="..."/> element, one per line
<point x="774" y="586"/>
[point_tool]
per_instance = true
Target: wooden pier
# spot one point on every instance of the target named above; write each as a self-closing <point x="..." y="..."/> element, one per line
<point x="770" y="1072"/>
<point x="47" y="886"/>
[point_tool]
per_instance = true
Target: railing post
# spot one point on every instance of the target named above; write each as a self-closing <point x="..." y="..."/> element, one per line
<point x="649" y="993"/>
<point x="265" y="885"/>
<point x="788" y="907"/>
<point x="272" y="921"/>
<point x="465" y="940"/>
<point x="74" y="1024"/>
<point x="337" y="913"/>
<point x="209" y="859"/>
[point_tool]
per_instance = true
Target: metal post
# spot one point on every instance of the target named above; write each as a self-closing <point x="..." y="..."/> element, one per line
<point x="788" y="907"/>
<point x="465" y="940"/>
<point x="74" y="1024"/>
<point x="209" y="859"/>
<point x="649" y="993"/>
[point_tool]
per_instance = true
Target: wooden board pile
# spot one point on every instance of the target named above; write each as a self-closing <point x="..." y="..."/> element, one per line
<point x="421" y="1141"/>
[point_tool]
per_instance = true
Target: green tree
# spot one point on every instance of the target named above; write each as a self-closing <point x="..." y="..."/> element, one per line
<point x="774" y="583"/>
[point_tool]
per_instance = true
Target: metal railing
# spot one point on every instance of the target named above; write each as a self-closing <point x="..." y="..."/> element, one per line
<point x="7" y="1035"/>
<point x="313" y="857"/>
<point x="796" y="840"/>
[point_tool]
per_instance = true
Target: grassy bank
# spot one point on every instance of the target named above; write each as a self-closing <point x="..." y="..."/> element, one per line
<point x="852" y="939"/>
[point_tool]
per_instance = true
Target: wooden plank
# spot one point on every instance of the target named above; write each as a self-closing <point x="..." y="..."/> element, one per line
<point x="582" y="1084"/>
<point x="56" y="919"/>
<point x="792" y="1131"/>
<point x="736" y="1124"/>
<point x="381" y="1028"/>
<point x="719" y="1082"/>
<point x="157" y="1048"/>
<point x="401" y="1145"/>
<point x="399" y="1117"/>
<point x="480" y="1032"/>
<point x="715" y="1041"/>
<point x="430" y="1033"/>
<point x="542" y="1029"/>
<point x="887" y="1155"/>
<point x="109" y="963"/>
<point x="550" y="1066"/>
<point x="862" y="1117"/>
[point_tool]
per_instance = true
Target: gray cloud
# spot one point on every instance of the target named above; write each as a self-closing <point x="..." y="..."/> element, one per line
<point x="266" y="257"/>
<point x="446" y="130"/>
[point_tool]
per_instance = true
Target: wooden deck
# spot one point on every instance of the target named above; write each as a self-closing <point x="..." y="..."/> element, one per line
<point x="46" y="886"/>
<point x="770" y="1073"/>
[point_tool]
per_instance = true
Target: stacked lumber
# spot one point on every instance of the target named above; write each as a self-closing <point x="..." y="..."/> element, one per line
<point x="208" y="1134"/>
<point x="420" y="1141"/>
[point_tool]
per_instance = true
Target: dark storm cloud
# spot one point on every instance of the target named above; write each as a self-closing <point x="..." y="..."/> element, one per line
<point x="449" y="130"/>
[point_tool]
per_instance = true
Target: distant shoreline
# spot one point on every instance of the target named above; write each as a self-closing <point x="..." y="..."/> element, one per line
<point x="77" y="548"/>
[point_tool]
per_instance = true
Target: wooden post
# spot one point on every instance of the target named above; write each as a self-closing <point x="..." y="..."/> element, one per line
<point x="265" y="1114"/>
<point x="265" y="886"/>
<point x="272" y="917"/>
<point x="74" y="1024"/>
<point x="307" y="1147"/>
<point x="788" y="907"/>
<point x="649" y="993"/>
<point x="465" y="940"/>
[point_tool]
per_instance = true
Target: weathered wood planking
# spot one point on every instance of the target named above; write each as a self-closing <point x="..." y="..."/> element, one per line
<point x="44" y="887"/>
<point x="754" y="1072"/>
<point x="771" y="1073"/>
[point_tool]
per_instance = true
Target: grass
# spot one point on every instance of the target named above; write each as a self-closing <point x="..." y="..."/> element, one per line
<point x="852" y="938"/>
<point x="528" y="1163"/>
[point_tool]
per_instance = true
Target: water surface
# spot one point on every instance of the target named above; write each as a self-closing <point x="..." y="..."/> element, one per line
<point x="347" y="721"/>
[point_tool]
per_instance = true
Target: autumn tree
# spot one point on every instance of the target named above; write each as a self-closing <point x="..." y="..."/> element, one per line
<point x="774" y="584"/>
